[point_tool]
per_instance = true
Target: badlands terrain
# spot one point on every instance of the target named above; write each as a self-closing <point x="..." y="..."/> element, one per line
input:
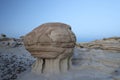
<point x="96" y="60"/>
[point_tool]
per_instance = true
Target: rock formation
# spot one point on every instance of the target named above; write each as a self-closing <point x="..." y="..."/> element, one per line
<point x="10" y="42"/>
<point x="52" y="44"/>
<point x="97" y="61"/>
<point x="2" y="36"/>
<point x="14" y="58"/>
<point x="111" y="44"/>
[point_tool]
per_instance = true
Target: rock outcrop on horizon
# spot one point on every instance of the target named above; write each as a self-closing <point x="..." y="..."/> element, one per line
<point x="14" y="58"/>
<point x="111" y="44"/>
<point x="52" y="44"/>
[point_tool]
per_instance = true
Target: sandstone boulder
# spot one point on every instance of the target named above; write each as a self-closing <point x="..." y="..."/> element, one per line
<point x="52" y="44"/>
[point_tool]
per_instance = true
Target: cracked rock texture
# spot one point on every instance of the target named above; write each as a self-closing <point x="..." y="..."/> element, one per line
<point x="52" y="44"/>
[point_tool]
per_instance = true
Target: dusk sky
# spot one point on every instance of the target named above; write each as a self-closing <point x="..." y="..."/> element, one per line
<point x="89" y="19"/>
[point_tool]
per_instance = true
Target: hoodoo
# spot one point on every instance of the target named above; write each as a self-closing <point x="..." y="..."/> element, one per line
<point x="52" y="44"/>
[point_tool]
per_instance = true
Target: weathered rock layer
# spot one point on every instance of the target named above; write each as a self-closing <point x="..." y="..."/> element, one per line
<point x="52" y="44"/>
<point x="112" y="44"/>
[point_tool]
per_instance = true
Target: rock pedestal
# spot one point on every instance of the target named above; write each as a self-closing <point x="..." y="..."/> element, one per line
<point x="52" y="44"/>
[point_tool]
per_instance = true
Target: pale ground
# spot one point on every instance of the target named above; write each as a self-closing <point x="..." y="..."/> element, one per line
<point x="87" y="65"/>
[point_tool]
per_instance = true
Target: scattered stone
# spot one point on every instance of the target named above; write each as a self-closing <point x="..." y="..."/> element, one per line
<point x="14" y="58"/>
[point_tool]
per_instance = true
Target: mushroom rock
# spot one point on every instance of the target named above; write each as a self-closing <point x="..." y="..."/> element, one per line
<point x="52" y="44"/>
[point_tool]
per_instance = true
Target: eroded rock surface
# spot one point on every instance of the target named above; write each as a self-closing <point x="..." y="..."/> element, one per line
<point x="97" y="60"/>
<point x="111" y="44"/>
<point x="52" y="44"/>
<point x="14" y="58"/>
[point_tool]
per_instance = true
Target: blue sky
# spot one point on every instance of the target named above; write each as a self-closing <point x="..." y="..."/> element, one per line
<point x="89" y="19"/>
